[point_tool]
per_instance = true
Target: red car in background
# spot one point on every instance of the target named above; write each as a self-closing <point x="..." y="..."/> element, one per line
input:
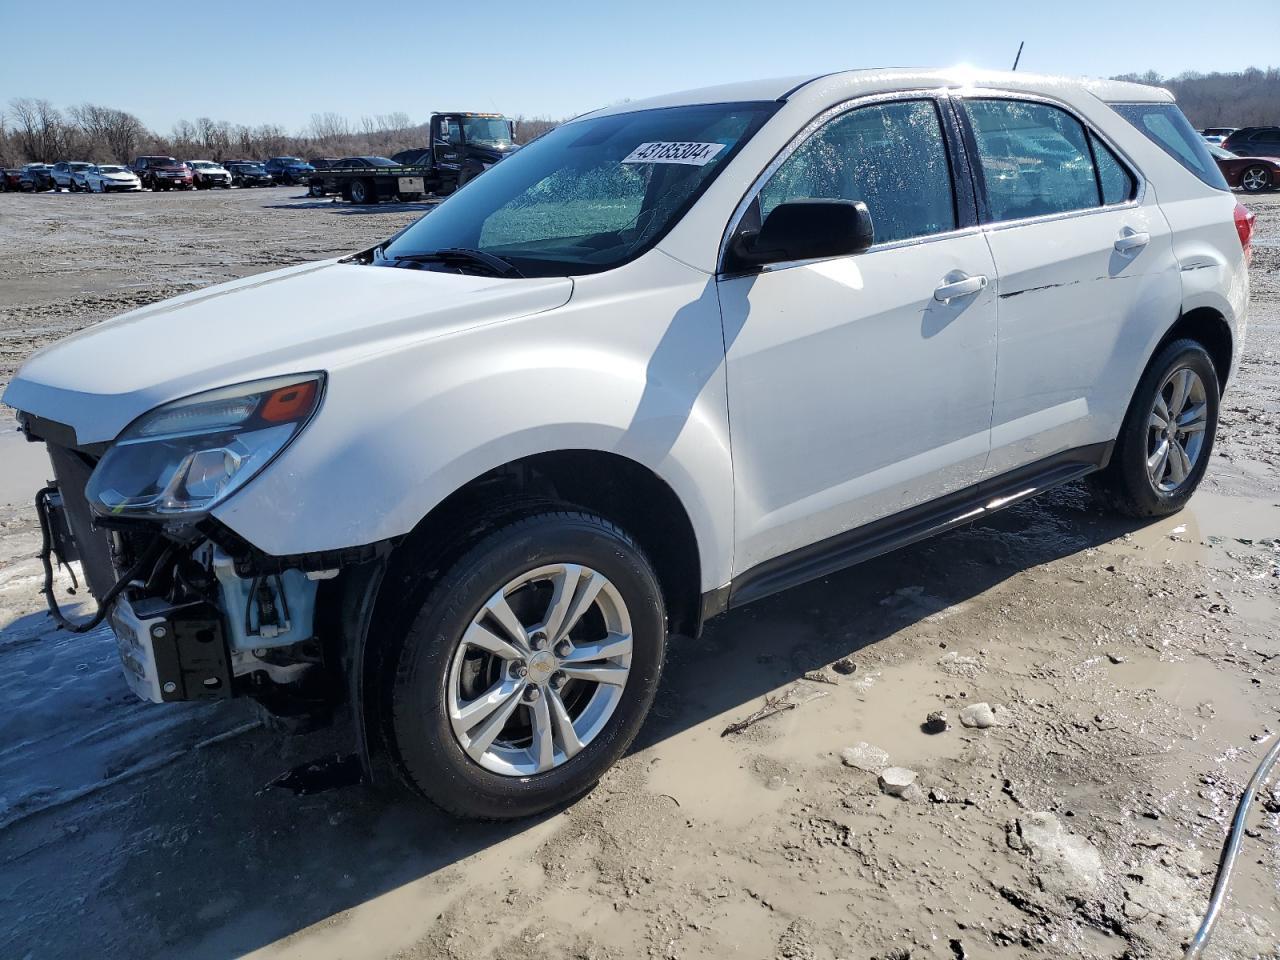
<point x="10" y="180"/>
<point x="1250" y="174"/>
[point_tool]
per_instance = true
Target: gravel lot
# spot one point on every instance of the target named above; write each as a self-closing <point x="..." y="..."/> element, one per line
<point x="1134" y="670"/>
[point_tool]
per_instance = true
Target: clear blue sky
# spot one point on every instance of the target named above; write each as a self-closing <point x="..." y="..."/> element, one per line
<point x="281" y="62"/>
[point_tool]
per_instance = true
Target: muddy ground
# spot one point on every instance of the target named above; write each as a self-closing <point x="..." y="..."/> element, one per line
<point x="1134" y="669"/>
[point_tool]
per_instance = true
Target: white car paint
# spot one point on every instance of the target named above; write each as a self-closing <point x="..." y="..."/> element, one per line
<point x="781" y="409"/>
<point x="102" y="178"/>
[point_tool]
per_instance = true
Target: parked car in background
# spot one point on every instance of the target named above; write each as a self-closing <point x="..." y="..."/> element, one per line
<point x="80" y="177"/>
<point x="10" y="180"/>
<point x="289" y="170"/>
<point x="249" y="174"/>
<point x="1217" y="134"/>
<point x="1250" y="174"/>
<point x="321" y="163"/>
<point x="366" y="180"/>
<point x="163" y="173"/>
<point x="63" y="174"/>
<point x="1254" y="142"/>
<point x="206" y="174"/>
<point x="460" y="488"/>
<point x="36" y="177"/>
<point x="112" y="178"/>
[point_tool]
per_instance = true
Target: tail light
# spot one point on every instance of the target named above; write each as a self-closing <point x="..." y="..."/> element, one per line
<point x="1244" y="227"/>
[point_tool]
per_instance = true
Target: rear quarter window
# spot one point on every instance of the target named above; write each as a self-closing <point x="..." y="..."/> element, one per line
<point x="1165" y="126"/>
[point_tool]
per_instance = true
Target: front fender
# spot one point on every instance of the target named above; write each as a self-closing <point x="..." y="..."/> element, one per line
<point x="632" y="365"/>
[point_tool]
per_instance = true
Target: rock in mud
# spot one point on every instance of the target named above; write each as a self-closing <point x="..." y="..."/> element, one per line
<point x="936" y="722"/>
<point x="957" y="665"/>
<point x="845" y="666"/>
<point x="1066" y="864"/>
<point x="863" y="756"/>
<point x="980" y="716"/>
<point x="896" y="781"/>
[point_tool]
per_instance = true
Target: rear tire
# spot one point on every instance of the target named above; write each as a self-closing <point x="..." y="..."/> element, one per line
<point x="363" y="192"/>
<point x="1156" y="464"/>
<point x="1255" y="179"/>
<point x="437" y="678"/>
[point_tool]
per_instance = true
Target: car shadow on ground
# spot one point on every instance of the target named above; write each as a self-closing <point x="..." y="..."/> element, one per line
<point x="199" y="860"/>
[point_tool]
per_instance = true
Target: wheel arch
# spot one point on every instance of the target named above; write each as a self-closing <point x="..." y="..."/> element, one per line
<point x="1210" y="329"/>
<point x="613" y="485"/>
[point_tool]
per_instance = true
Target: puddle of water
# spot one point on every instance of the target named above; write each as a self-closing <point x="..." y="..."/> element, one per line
<point x="24" y="468"/>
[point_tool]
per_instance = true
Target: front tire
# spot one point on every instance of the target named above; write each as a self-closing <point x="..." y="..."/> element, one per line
<point x="1167" y="437"/>
<point x="528" y="667"/>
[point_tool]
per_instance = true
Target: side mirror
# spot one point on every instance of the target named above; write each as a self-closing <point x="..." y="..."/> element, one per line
<point x="805" y="230"/>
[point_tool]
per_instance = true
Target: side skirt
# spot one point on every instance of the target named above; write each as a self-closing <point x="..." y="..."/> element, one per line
<point x="910" y="526"/>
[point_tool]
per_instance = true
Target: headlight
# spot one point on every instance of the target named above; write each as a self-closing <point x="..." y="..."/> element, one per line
<point x="184" y="458"/>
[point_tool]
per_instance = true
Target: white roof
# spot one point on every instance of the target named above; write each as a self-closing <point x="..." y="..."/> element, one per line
<point x="865" y="82"/>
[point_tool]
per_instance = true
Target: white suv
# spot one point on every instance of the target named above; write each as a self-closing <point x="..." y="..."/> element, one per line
<point x="669" y="358"/>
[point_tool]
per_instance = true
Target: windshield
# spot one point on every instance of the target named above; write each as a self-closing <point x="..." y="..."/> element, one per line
<point x="202" y="165"/>
<point x="486" y="130"/>
<point x="381" y="161"/>
<point x="110" y="169"/>
<point x="80" y="166"/>
<point x="1221" y="154"/>
<point x="590" y="195"/>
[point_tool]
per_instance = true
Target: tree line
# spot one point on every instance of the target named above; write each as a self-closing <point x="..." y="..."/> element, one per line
<point x="1247" y="99"/>
<point x="34" y="130"/>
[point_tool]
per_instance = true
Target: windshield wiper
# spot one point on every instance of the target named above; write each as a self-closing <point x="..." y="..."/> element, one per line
<point x="499" y="265"/>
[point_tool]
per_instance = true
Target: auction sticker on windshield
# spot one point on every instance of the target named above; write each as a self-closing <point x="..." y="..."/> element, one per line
<point x="673" y="151"/>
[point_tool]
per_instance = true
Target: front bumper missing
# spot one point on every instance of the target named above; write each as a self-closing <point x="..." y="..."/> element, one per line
<point x="172" y="652"/>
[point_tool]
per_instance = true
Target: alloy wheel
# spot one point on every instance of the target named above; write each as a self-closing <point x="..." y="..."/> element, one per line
<point x="1254" y="179"/>
<point x="540" y="670"/>
<point x="1176" y="428"/>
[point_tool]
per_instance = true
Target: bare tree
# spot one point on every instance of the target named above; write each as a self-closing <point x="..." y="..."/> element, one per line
<point x="107" y="132"/>
<point x="1249" y="98"/>
<point x="39" y="128"/>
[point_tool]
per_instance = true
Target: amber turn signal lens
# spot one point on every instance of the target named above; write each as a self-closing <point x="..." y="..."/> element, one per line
<point x="289" y="403"/>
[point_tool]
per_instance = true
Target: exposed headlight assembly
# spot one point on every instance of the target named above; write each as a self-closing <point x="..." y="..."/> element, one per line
<point x="186" y="457"/>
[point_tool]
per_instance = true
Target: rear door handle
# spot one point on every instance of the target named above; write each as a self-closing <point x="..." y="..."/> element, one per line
<point x="958" y="284"/>
<point x="1132" y="240"/>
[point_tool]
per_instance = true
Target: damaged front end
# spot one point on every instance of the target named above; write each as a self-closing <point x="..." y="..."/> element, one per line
<point x="199" y="613"/>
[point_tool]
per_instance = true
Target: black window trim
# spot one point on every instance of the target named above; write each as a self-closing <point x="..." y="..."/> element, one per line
<point x="971" y="144"/>
<point x="964" y="197"/>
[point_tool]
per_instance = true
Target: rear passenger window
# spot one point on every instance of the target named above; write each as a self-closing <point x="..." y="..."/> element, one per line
<point x="1035" y="159"/>
<point x="890" y="156"/>
<point x="1165" y="126"/>
<point x="1114" y="179"/>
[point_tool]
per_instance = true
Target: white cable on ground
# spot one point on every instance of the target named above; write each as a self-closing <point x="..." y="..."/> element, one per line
<point x="1229" y="854"/>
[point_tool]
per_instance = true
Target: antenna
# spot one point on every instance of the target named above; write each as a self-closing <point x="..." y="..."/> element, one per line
<point x="1019" y="56"/>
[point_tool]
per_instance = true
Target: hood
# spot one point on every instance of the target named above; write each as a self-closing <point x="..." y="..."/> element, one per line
<point x="311" y="317"/>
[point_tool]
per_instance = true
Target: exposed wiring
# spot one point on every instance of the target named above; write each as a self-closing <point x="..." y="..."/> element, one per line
<point x="151" y="559"/>
<point x="1229" y="854"/>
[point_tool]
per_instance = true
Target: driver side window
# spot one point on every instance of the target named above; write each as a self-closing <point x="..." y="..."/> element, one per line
<point x="891" y="156"/>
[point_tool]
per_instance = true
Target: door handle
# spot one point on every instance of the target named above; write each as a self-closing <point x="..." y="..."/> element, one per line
<point x="958" y="284"/>
<point x="1132" y="240"/>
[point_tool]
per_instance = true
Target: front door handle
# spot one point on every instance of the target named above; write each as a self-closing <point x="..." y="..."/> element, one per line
<point x="957" y="283"/>
<point x="1131" y="241"/>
